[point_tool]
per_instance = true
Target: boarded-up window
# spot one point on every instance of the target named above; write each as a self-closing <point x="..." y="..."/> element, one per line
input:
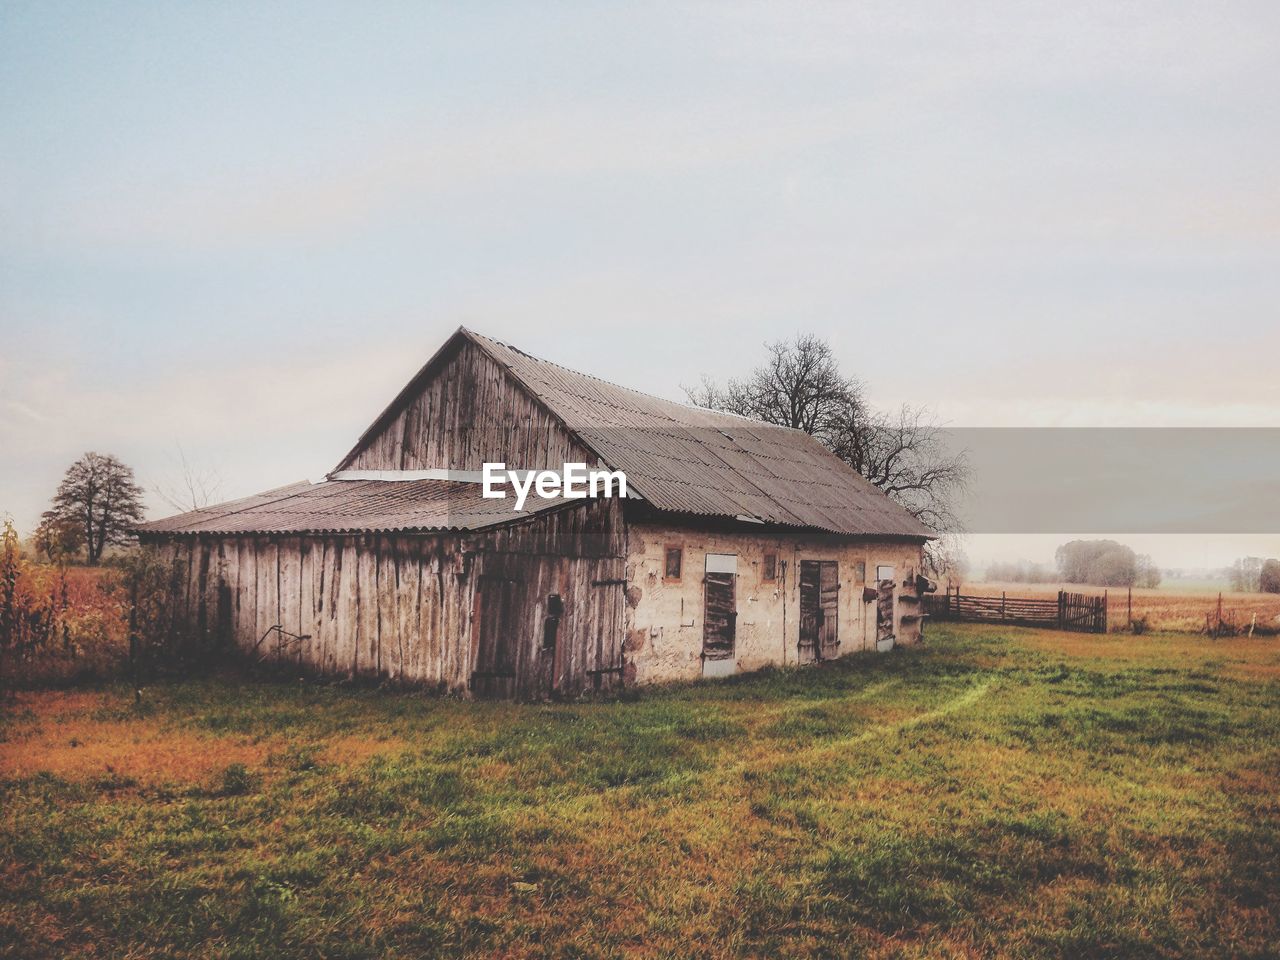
<point x="860" y="572"/>
<point x="674" y="564"/>
<point x="551" y="625"/>
<point x="769" y="569"/>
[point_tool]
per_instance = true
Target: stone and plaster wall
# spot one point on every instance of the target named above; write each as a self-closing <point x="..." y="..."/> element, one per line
<point x="664" y="618"/>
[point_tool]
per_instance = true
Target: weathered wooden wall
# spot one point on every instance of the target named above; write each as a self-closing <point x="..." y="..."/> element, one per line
<point x="402" y="606"/>
<point x="469" y="413"/>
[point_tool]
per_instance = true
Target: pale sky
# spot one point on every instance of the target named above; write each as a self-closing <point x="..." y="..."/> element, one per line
<point x="242" y="227"/>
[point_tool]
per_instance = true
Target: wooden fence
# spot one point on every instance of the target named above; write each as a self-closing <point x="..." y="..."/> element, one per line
<point x="1071" y="611"/>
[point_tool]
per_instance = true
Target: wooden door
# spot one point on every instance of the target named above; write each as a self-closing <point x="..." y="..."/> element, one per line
<point x="828" y="609"/>
<point x="819" y="610"/>
<point x="496" y="634"/>
<point x="606" y="627"/>
<point x="720" y="615"/>
<point x="810" y="609"/>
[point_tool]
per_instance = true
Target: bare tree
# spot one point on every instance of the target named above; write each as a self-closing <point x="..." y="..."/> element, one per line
<point x="1148" y="574"/>
<point x="100" y="495"/>
<point x="903" y="452"/>
<point x="190" y="485"/>
<point x="799" y="385"/>
<point x="1246" y="574"/>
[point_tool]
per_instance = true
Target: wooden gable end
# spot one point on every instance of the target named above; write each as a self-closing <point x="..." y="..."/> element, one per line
<point x="462" y="410"/>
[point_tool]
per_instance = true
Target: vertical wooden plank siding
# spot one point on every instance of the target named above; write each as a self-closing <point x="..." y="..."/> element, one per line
<point x="247" y="608"/>
<point x="366" y="606"/>
<point x="401" y="607"/>
<point x="405" y="633"/>
<point x="390" y="640"/>
<point x="267" y="569"/>
<point x="461" y="416"/>
<point x="289" y="586"/>
<point x="331" y="575"/>
<point x="346" y="624"/>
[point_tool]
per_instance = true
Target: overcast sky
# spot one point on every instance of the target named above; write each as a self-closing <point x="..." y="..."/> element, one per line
<point x="242" y="227"/>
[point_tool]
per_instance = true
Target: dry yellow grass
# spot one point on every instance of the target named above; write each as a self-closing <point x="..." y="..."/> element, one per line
<point x="1165" y="609"/>
<point x="82" y="736"/>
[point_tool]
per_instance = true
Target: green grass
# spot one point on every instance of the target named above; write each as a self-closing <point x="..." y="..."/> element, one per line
<point x="996" y="793"/>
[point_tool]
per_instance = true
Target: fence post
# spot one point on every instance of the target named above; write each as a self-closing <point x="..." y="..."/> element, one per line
<point x="1003" y="616"/>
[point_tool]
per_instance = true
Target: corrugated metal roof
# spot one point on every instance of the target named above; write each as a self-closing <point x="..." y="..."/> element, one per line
<point x="354" y="506"/>
<point x="679" y="458"/>
<point x="692" y="460"/>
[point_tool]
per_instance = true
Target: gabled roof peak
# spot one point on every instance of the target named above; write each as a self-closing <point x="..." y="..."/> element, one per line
<point x="681" y="458"/>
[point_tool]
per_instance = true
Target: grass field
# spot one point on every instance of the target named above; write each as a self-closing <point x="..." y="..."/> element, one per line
<point x="1178" y="607"/>
<point x="1012" y="793"/>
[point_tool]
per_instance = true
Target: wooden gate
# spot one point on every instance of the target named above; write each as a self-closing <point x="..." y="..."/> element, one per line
<point x="819" y="610"/>
<point x="1070" y="611"/>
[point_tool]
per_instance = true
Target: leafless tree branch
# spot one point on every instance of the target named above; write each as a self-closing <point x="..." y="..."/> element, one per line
<point x="189" y="485"/>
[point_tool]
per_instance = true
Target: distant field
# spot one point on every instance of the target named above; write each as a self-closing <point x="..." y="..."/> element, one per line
<point x="1178" y="607"/>
<point x="998" y="793"/>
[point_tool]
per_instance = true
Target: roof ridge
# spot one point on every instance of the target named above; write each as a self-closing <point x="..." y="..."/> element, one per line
<point x="619" y="386"/>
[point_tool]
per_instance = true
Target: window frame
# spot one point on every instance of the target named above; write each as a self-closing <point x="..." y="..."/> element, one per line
<point x="667" y="550"/>
<point x="769" y="572"/>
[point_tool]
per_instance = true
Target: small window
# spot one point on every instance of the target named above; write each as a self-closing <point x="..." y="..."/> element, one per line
<point x="674" y="564"/>
<point x="551" y="626"/>
<point x="769" y="569"/>
<point x="860" y="572"/>
<point x="884" y="572"/>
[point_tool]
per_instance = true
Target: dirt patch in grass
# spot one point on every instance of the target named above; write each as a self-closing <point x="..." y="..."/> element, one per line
<point x="73" y="743"/>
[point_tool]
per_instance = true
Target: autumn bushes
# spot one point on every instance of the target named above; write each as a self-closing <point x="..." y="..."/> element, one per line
<point x="57" y="624"/>
<point x="63" y="624"/>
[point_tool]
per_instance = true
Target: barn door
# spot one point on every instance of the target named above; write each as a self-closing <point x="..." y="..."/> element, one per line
<point x="720" y="616"/>
<point x="810" y="610"/>
<point x="819" y="610"/>
<point x="496" y="635"/>
<point x="829" y="609"/>
<point x="606" y="625"/>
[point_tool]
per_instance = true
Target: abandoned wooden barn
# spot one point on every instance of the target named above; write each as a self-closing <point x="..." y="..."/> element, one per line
<point x="738" y="545"/>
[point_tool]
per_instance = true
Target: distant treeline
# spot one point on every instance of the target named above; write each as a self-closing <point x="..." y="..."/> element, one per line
<point x="1254" y="575"/>
<point x="1106" y="563"/>
<point x="1103" y="563"/>
<point x="1023" y="571"/>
